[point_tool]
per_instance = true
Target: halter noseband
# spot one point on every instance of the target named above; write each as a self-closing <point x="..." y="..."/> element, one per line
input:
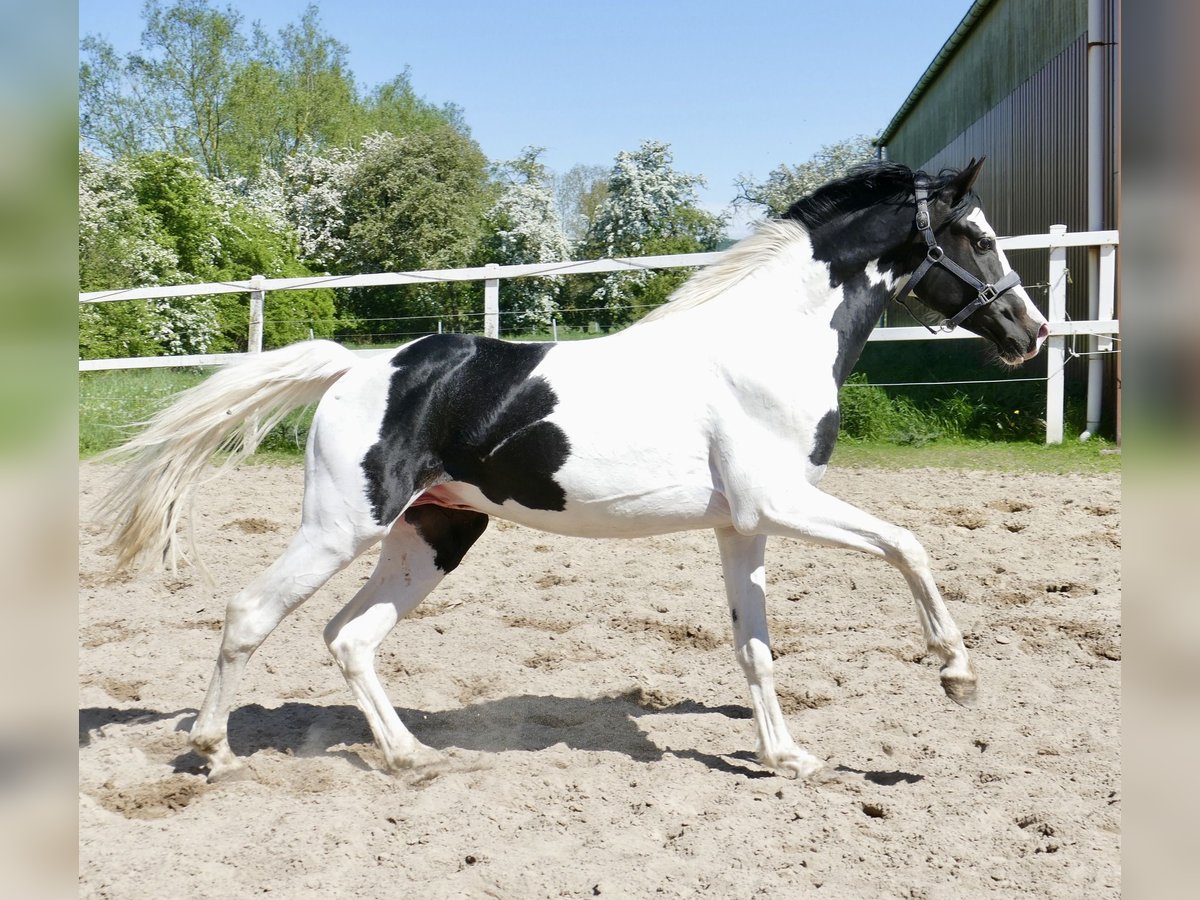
<point x="936" y="256"/>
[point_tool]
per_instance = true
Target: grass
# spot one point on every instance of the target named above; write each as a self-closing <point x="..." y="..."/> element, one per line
<point x="1006" y="456"/>
<point x="881" y="431"/>
<point x="112" y="403"/>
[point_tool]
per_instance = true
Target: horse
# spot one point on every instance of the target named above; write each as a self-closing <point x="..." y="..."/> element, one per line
<point x="718" y="409"/>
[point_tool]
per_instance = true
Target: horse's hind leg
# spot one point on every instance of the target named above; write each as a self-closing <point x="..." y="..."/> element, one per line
<point x="745" y="584"/>
<point x="423" y="546"/>
<point x="313" y="556"/>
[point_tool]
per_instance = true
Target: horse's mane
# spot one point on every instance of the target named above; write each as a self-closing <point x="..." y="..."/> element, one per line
<point x="733" y="265"/>
<point x="865" y="186"/>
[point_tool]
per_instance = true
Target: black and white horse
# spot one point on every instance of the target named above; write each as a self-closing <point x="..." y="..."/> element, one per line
<point x="718" y="410"/>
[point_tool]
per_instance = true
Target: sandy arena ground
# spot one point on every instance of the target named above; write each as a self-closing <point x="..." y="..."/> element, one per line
<point x="596" y="725"/>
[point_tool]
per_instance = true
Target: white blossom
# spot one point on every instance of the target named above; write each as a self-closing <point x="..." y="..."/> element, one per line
<point x="109" y="215"/>
<point x="314" y="190"/>
<point x="643" y="191"/>
<point x="185" y="325"/>
<point x="528" y="230"/>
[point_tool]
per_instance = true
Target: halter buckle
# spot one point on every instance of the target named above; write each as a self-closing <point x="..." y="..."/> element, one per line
<point x="935" y="253"/>
<point x="987" y="294"/>
<point x="922" y="220"/>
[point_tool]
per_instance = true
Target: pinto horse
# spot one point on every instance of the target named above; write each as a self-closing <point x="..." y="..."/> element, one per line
<point x="717" y="410"/>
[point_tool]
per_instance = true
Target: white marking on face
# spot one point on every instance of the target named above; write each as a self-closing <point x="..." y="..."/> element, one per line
<point x="980" y="221"/>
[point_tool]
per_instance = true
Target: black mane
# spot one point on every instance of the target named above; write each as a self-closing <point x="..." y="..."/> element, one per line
<point x="867" y="185"/>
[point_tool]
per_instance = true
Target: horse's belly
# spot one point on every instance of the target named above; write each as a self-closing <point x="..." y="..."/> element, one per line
<point x="593" y="511"/>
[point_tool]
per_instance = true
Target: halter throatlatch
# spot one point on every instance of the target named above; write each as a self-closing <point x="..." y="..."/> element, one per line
<point x="936" y="256"/>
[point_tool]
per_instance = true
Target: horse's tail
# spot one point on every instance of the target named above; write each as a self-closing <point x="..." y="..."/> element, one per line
<point x="228" y="411"/>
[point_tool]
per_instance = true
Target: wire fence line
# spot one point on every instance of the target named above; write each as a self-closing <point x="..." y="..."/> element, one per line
<point x="1100" y="332"/>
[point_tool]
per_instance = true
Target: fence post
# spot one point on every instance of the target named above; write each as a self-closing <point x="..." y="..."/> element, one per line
<point x="1108" y="283"/>
<point x="255" y="342"/>
<point x="1056" y="345"/>
<point x="491" y="305"/>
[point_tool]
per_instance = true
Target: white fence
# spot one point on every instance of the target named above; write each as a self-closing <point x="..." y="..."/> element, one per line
<point x="1099" y="330"/>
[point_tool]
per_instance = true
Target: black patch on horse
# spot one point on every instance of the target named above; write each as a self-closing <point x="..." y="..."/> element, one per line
<point x="854" y="320"/>
<point x="868" y="185"/>
<point x="825" y="437"/>
<point x="464" y="408"/>
<point x="450" y="532"/>
<point x="862" y="218"/>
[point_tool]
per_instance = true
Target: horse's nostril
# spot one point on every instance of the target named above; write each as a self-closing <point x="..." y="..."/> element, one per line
<point x="1043" y="332"/>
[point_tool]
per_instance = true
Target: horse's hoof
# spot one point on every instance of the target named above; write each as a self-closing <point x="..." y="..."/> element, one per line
<point x="229" y="773"/>
<point x="961" y="690"/>
<point x="422" y="758"/>
<point x="800" y="765"/>
<point x="827" y="774"/>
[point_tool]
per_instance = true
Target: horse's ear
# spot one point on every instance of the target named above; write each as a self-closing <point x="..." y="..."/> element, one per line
<point x="957" y="189"/>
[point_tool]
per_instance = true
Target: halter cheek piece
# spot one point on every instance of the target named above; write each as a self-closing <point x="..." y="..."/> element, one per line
<point x="936" y="256"/>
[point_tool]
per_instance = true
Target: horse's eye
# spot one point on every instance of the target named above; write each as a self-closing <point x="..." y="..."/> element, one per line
<point x="985" y="243"/>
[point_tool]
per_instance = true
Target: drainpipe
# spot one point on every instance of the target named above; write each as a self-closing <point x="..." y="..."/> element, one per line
<point x="1097" y="42"/>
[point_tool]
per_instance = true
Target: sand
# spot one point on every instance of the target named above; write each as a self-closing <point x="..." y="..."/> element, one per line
<point x="595" y="725"/>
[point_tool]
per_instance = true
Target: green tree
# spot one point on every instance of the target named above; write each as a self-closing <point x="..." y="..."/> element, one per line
<point x="414" y="201"/>
<point x="395" y="107"/>
<point x="786" y="184"/>
<point x="297" y="91"/>
<point x="112" y="120"/>
<point x="120" y="244"/>
<point x="155" y="219"/>
<point x="174" y="191"/>
<point x="578" y="194"/>
<point x="190" y="56"/>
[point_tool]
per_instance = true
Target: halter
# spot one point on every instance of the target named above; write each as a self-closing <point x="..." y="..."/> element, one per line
<point x="936" y="256"/>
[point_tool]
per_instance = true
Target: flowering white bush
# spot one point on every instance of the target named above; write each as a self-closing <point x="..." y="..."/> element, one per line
<point x="265" y="195"/>
<point x="527" y="229"/>
<point x="314" y="194"/>
<point x="643" y="191"/>
<point x="185" y="324"/>
<point x="645" y="195"/>
<point x="117" y="239"/>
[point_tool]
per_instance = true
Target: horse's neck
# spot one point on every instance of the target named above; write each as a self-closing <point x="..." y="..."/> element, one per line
<point x="801" y="298"/>
<point x="848" y="285"/>
<point x="865" y="294"/>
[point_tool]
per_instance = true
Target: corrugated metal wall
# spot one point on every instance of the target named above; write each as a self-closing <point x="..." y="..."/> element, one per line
<point x="1035" y="140"/>
<point x="1011" y="42"/>
<point x="1035" y="136"/>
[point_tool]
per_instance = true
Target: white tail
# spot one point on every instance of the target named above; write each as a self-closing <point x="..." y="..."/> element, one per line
<point x="228" y="411"/>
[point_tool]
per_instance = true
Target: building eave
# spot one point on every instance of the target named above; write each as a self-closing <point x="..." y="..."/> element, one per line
<point x="940" y="61"/>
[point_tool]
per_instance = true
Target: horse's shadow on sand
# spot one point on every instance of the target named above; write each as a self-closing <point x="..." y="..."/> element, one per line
<point x="526" y="723"/>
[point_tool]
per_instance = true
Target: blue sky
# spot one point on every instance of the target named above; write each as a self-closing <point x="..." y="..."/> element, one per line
<point x="735" y="88"/>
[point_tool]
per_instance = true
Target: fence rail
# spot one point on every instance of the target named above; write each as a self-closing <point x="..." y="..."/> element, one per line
<point x="1099" y="330"/>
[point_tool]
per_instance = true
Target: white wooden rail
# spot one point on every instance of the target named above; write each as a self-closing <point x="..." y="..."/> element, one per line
<point x="1057" y="241"/>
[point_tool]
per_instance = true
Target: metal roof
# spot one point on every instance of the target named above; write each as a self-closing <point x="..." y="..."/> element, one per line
<point x="964" y="28"/>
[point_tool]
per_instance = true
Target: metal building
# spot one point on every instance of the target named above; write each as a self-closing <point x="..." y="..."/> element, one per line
<point x="1033" y="85"/>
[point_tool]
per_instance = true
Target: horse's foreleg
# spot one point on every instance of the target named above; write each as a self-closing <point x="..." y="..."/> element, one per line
<point x="418" y="552"/>
<point x="745" y="585"/>
<point x="818" y="517"/>
<point x="309" y="561"/>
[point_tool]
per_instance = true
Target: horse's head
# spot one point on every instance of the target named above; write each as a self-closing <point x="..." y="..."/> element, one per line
<point x="959" y="272"/>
